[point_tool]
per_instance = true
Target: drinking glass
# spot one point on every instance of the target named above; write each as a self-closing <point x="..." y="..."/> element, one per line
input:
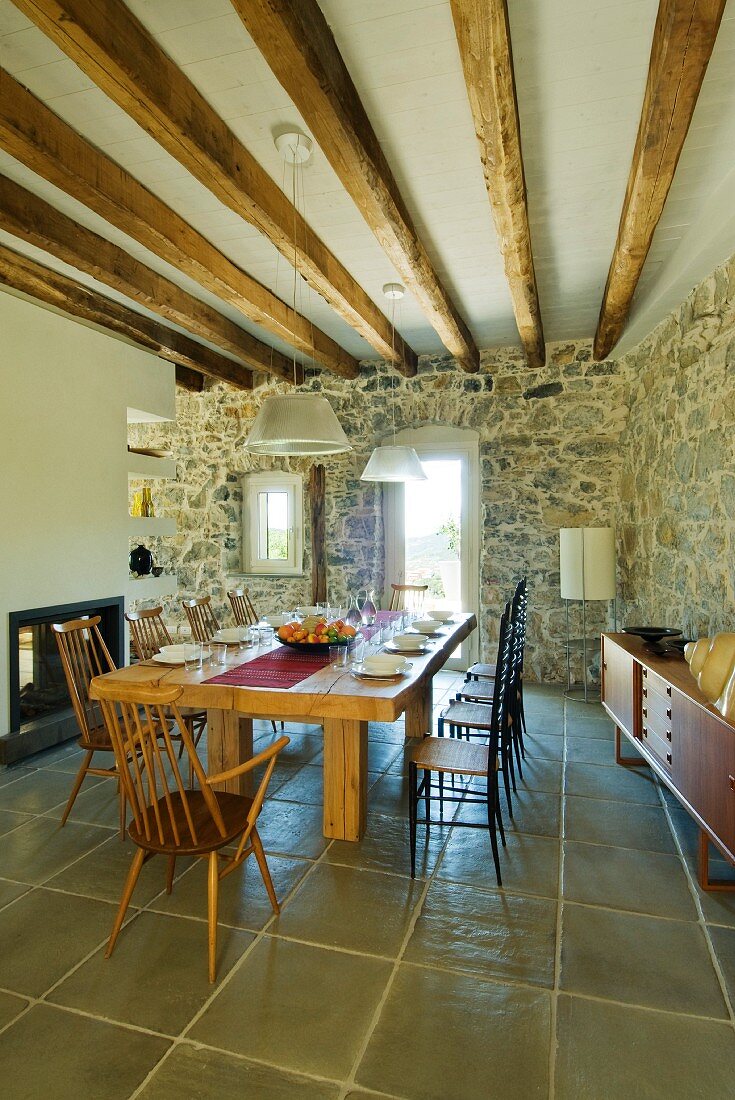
<point x="266" y="634"/>
<point x="243" y="636"/>
<point x="219" y="653"/>
<point x="357" y="649"/>
<point x="338" y="656"/>
<point x="192" y="656"/>
<point x="206" y="653"/>
<point x="386" y="633"/>
<point x="254" y="635"/>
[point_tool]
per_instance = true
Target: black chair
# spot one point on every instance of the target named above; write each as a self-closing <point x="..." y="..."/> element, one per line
<point x="480" y="673"/>
<point x="455" y="757"/>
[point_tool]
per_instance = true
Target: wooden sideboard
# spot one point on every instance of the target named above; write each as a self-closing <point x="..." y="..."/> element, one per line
<point x="655" y="702"/>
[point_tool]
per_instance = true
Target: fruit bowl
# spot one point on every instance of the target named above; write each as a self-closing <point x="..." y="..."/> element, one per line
<point x="651" y="633"/>
<point x="315" y="635"/>
<point x="313" y="647"/>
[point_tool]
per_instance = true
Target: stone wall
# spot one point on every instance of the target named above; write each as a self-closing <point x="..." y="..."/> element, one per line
<point x="550" y="457"/>
<point x="676" y="521"/>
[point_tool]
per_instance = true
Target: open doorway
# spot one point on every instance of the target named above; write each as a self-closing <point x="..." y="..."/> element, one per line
<point x="431" y="527"/>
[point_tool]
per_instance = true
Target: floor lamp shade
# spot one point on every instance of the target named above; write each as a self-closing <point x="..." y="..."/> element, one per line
<point x="587" y="563"/>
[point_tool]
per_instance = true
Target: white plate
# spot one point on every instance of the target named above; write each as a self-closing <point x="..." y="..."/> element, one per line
<point x="406" y="649"/>
<point x="167" y="659"/>
<point x="277" y="620"/>
<point x="383" y="674"/>
<point x="232" y="634"/>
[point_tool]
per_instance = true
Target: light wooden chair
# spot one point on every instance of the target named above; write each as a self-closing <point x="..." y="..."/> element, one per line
<point x="169" y="819"/>
<point x="84" y="655"/>
<point x="465" y="759"/>
<point x="149" y="634"/>
<point x="202" y="619"/>
<point x="407" y="597"/>
<point x="242" y="607"/>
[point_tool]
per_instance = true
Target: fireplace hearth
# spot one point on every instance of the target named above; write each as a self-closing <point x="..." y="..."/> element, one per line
<point x="41" y="714"/>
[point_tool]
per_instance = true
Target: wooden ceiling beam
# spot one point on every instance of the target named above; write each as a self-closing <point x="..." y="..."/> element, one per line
<point x="298" y="45"/>
<point x="49" y="286"/>
<point x="683" y="40"/>
<point x="47" y="145"/>
<point x="483" y="36"/>
<point x="113" y="48"/>
<point x="30" y="218"/>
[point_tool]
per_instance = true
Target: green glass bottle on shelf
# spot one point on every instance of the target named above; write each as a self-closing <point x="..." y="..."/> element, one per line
<point x="147" y="504"/>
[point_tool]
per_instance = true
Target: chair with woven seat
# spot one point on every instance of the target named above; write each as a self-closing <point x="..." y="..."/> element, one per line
<point x="84" y="655"/>
<point x="202" y="619"/>
<point x="407" y="597"/>
<point x="465" y="759"/>
<point x="242" y="607"/>
<point x="149" y="634"/>
<point x="168" y="818"/>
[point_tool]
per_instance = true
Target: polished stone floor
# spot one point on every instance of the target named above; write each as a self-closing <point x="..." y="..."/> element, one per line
<point x="600" y="972"/>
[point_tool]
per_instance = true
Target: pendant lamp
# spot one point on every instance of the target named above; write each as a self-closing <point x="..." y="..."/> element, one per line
<point x="296" y="423"/>
<point x="395" y="462"/>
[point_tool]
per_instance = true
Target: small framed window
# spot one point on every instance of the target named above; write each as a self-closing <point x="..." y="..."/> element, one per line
<point x="273" y="524"/>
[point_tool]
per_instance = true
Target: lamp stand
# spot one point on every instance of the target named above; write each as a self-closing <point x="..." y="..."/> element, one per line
<point x="587" y="693"/>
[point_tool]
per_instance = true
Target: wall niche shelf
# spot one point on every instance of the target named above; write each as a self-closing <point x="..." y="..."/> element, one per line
<point x="151" y="525"/>
<point x="145" y="466"/>
<point x="151" y="588"/>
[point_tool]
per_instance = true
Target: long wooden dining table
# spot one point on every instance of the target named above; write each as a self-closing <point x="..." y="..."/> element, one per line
<point x="332" y="698"/>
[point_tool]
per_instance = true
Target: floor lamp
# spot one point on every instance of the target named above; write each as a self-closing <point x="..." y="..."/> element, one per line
<point x="587" y="572"/>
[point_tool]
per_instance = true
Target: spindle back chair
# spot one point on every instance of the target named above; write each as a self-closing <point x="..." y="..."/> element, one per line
<point x="202" y="619"/>
<point x="169" y="818"/>
<point x="148" y="632"/>
<point x="242" y="607"/>
<point x="408" y="597"/>
<point x="84" y="655"/>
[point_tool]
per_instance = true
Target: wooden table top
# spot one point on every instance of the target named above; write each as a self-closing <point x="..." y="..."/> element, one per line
<point x="328" y="693"/>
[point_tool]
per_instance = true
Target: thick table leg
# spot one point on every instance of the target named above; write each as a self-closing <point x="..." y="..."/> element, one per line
<point x="345" y="778"/>
<point x="419" y="712"/>
<point x="229" y="742"/>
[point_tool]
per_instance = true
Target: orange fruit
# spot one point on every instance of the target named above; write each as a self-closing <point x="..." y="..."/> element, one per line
<point x="349" y="631"/>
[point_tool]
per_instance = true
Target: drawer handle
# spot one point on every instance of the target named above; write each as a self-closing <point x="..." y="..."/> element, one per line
<point x="668" y="691"/>
<point x="645" y="732"/>
<point x="668" y="757"/>
<point x="645" y="712"/>
<point x="668" y="735"/>
<point x="645" y="693"/>
<point x="645" y="672"/>
<point x="668" y="712"/>
<point x="732" y="782"/>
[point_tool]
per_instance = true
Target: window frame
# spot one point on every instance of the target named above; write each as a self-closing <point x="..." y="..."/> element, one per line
<point x="253" y="486"/>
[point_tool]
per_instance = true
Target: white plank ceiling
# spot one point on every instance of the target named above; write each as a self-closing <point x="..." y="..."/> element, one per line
<point x="580" y="70"/>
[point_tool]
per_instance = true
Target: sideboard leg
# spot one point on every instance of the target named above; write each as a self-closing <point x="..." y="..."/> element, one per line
<point x="705" y="881"/>
<point x="626" y="761"/>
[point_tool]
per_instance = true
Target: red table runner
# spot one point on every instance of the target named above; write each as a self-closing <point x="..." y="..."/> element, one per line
<point x="280" y="668"/>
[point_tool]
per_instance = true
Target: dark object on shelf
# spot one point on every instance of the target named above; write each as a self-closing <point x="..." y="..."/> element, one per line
<point x="141" y="561"/>
<point x="157" y="570"/>
<point x="652" y="635"/>
<point x="677" y="644"/>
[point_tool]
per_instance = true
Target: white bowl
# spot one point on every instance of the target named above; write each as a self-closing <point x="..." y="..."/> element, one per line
<point x="440" y="616"/>
<point x="229" y="634"/>
<point x="175" y="650"/>
<point x="385" y="663"/>
<point x="277" y="620"/>
<point x="409" y="641"/>
<point x="427" y="626"/>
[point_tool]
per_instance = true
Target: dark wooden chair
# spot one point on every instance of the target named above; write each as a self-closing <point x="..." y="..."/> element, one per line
<point x="149" y="634"/>
<point x="202" y="619"/>
<point x="84" y="655"/>
<point x="465" y="760"/>
<point x="407" y="597"/>
<point x="242" y="607"/>
<point x="168" y="818"/>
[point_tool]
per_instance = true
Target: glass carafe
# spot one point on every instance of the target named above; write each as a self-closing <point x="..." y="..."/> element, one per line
<point x="353" y="616"/>
<point x="368" y="608"/>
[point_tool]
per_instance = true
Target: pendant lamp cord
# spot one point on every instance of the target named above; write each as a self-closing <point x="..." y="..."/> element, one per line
<point x="391" y="366"/>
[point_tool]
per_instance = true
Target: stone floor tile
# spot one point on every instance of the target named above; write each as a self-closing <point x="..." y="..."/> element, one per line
<point x="389" y="795"/>
<point x="528" y="864"/>
<point x="387" y="731"/>
<point x="534" y="812"/>
<point x="494" y="935"/>
<point x="718" y="908"/>
<point x="45" y="934"/>
<point x="591" y="750"/>
<point x="290" y="829"/>
<point x="306" y="786"/>
<point x="386" y="847"/>
<point x="39" y="791"/>
<point x="599" y="821"/>
<point x="51" y="1053"/>
<point x="625" y="878"/>
<point x="653" y="1055"/>
<point x="301" y="749"/>
<point x="544" y="746"/>
<point x="157" y="975"/>
<point x="189" y="1072"/>
<point x="640" y="960"/>
<point x="9" y="891"/>
<point x="540" y="775"/>
<point x="243" y="901"/>
<point x="381" y="754"/>
<point x="10" y="820"/>
<point x="297" y="1007"/>
<point x="10" y="1007"/>
<point x="349" y="908"/>
<point x="470" y="1039"/>
<point x="98" y="805"/>
<point x="619" y="784"/>
<point x="13" y="773"/>
<point x="580" y="725"/>
<point x="723" y="941"/>
<point x="40" y="848"/>
<point x="103" y="872"/>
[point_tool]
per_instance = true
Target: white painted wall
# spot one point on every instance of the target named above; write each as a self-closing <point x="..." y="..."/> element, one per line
<point x="64" y="393"/>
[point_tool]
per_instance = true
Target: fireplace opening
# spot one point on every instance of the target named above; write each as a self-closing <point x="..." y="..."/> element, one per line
<point x="41" y="713"/>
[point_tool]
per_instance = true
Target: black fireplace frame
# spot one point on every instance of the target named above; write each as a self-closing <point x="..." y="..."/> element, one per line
<point x="114" y="634"/>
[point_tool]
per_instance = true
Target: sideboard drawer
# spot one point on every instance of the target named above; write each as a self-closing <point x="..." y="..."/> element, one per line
<point x="656" y="744"/>
<point x="652" y="682"/>
<point x="653" y="703"/>
<point x="657" y="723"/>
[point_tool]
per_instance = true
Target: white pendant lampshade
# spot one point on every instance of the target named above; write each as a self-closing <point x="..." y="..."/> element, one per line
<point x="297" y="424"/>
<point x="393" y="464"/>
<point x="587" y="563"/>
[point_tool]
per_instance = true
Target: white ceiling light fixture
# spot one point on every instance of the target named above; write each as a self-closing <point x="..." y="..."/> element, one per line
<point x="296" y="423"/>
<point x="396" y="462"/>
